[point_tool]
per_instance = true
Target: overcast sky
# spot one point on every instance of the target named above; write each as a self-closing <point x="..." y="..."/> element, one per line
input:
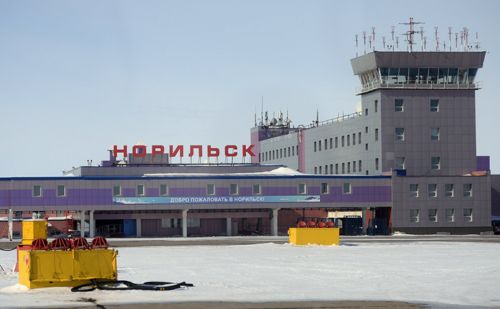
<point x="79" y="76"/>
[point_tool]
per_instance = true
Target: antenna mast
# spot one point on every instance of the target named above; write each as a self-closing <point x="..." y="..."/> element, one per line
<point x="409" y="34"/>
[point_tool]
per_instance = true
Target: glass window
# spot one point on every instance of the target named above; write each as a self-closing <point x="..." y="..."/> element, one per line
<point x="343" y="168"/>
<point x="434" y="107"/>
<point x="433" y="215"/>
<point x="432" y="189"/>
<point x="435" y="134"/>
<point x="331" y="143"/>
<point x="163" y="189"/>
<point x="319" y="146"/>
<point x="346" y="188"/>
<point x="336" y="142"/>
<point x="348" y="140"/>
<point x="399" y="163"/>
<point x="302" y="188"/>
<point x="348" y="167"/>
<point x="37" y="191"/>
<point x="399" y="105"/>
<point x="450" y="215"/>
<point x="449" y="190"/>
<point x="376" y="134"/>
<point x="331" y="169"/>
<point x="436" y="163"/>
<point x="432" y="77"/>
<point x="289" y="151"/>
<point x="293" y="151"/>
<point x="281" y="152"/>
<point x="315" y="170"/>
<point x="343" y="138"/>
<point x="468" y="214"/>
<point x="326" y="144"/>
<point x="366" y="130"/>
<point x="359" y="137"/>
<point x="354" y="166"/>
<point x="233" y="189"/>
<point x="320" y="170"/>
<point x="467" y="190"/>
<point x="315" y="147"/>
<point x="400" y="134"/>
<point x="117" y="190"/>
<point x="414" y="215"/>
<point x="414" y="192"/>
<point x="140" y="190"/>
<point x="256" y="189"/>
<point x="211" y="189"/>
<point x="326" y="169"/>
<point x="366" y="146"/>
<point x="354" y="139"/>
<point x="359" y="165"/>
<point x="376" y="106"/>
<point x="61" y="191"/>
<point x="376" y="164"/>
<point x="336" y="168"/>
<point x="366" y="111"/>
<point x="324" y="188"/>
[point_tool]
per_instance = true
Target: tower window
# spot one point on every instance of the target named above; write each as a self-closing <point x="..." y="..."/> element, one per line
<point x="399" y="105"/>
<point x="434" y="105"/>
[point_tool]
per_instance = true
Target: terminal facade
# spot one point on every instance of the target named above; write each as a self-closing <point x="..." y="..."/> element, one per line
<point x="405" y="162"/>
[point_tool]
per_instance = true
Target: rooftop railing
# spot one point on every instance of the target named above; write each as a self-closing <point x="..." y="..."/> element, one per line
<point x="373" y="86"/>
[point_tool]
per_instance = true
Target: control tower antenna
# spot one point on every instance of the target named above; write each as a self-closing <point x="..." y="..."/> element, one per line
<point x="262" y="110"/>
<point x="356" y="39"/>
<point x="373" y="37"/>
<point x="436" y="37"/>
<point x="466" y="38"/>
<point x="397" y="42"/>
<point x="449" y="36"/>
<point x="383" y="42"/>
<point x="392" y="36"/>
<point x="476" y="44"/>
<point x="422" y="38"/>
<point x="364" y="41"/>
<point x="456" y="40"/>
<point x="370" y="41"/>
<point x="409" y="34"/>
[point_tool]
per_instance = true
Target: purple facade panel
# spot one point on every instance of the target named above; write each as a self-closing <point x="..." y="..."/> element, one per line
<point x="359" y="195"/>
<point x="279" y="191"/>
<point x="483" y="163"/>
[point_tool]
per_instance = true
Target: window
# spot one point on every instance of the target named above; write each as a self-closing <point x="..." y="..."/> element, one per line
<point x="343" y="168"/>
<point x="324" y="188"/>
<point x="348" y="140"/>
<point x="320" y="170"/>
<point x="346" y="189"/>
<point x="414" y="215"/>
<point x="140" y="190"/>
<point x="61" y="191"/>
<point x="414" y="190"/>
<point x="348" y="167"/>
<point x="399" y="105"/>
<point x="256" y="189"/>
<point x="314" y="146"/>
<point x="117" y="190"/>
<point x="302" y="188"/>
<point x="450" y="215"/>
<point x="233" y="189"/>
<point x="331" y="143"/>
<point x="359" y="137"/>
<point x="326" y="144"/>
<point x="289" y="151"/>
<point x="319" y="146"/>
<point x="366" y="146"/>
<point x="163" y="190"/>
<point x="449" y="190"/>
<point x="376" y="134"/>
<point x="400" y="163"/>
<point x="366" y="111"/>
<point x="281" y="152"/>
<point x="436" y="163"/>
<point x="326" y="169"/>
<point x="354" y="166"/>
<point x="193" y="222"/>
<point x="211" y="189"/>
<point x="354" y="139"/>
<point x="336" y="168"/>
<point x="400" y="134"/>
<point x="366" y="130"/>
<point x="376" y="106"/>
<point x="435" y="134"/>
<point x="432" y="190"/>
<point x="342" y="141"/>
<point x="37" y="191"/>
<point x="293" y="151"/>
<point x="336" y="142"/>
<point x="359" y="166"/>
<point x="433" y="215"/>
<point x="468" y="214"/>
<point x="315" y="170"/>
<point x="376" y="164"/>
<point x="434" y="105"/>
<point x="331" y="169"/>
<point x="467" y="190"/>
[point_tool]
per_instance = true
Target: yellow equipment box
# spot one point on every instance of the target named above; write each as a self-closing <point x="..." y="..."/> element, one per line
<point x="56" y="268"/>
<point x="34" y="229"/>
<point x="314" y="236"/>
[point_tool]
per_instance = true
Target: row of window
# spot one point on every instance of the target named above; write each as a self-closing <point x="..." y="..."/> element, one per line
<point x="343" y="168"/>
<point x="449" y="190"/>
<point x="38" y="191"/>
<point x="399" y="134"/>
<point x="281" y="153"/>
<point x="400" y="163"/>
<point x="449" y="215"/>
<point x="399" y="105"/>
<point x="331" y="143"/>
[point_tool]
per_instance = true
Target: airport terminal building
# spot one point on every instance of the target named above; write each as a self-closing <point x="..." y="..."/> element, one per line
<point x="405" y="162"/>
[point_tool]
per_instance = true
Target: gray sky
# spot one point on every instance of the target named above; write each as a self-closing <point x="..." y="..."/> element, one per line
<point x="79" y="76"/>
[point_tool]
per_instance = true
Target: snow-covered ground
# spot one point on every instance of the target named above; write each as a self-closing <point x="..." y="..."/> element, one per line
<point x="422" y="272"/>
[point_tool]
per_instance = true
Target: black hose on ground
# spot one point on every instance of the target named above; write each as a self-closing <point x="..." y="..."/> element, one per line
<point x="121" y="285"/>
